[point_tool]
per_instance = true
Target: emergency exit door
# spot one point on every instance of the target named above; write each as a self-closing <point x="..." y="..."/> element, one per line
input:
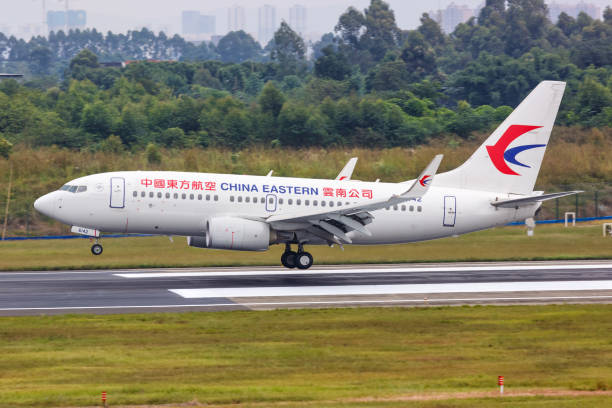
<point x="450" y="211"/>
<point x="117" y="192"/>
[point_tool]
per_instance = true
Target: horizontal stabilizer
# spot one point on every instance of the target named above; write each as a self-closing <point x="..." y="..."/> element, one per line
<point x="519" y="202"/>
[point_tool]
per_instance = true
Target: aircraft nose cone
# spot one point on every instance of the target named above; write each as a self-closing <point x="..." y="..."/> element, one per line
<point x="44" y="205"/>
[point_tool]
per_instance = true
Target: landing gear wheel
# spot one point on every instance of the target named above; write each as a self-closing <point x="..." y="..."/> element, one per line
<point x="288" y="259"/>
<point x="303" y="260"/>
<point x="96" y="249"/>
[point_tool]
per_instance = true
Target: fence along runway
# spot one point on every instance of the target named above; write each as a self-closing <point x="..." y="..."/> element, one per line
<point x="150" y="290"/>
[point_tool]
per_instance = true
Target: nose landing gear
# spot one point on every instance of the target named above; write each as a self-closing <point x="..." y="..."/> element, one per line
<point x="300" y="259"/>
<point x="96" y="248"/>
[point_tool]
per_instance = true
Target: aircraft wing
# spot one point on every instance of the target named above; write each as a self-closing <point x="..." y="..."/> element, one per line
<point x="333" y="223"/>
<point x="530" y="200"/>
<point x="347" y="171"/>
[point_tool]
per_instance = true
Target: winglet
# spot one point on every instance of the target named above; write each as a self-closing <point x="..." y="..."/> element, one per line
<point x="347" y="171"/>
<point x="425" y="179"/>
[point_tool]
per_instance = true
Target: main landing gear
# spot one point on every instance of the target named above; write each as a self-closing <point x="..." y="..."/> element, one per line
<point x="96" y="248"/>
<point x="300" y="259"/>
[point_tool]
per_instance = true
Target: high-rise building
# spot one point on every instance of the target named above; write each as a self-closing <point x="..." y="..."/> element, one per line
<point x="236" y="19"/>
<point x="452" y="16"/>
<point x="297" y="19"/>
<point x="197" y="26"/>
<point x="267" y="24"/>
<point x="554" y="9"/>
<point x="57" y="20"/>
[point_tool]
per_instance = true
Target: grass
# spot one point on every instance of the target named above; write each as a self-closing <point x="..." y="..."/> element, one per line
<point x="509" y="243"/>
<point x="322" y="358"/>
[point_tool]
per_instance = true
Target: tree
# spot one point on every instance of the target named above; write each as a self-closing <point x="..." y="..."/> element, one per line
<point x="5" y="147"/>
<point x="238" y="46"/>
<point x="289" y="47"/>
<point x="271" y="100"/>
<point x="98" y="119"/>
<point x="418" y="55"/>
<point x="332" y="64"/>
<point x="381" y="33"/>
<point x="41" y="59"/>
<point x="431" y="31"/>
<point x="350" y="27"/>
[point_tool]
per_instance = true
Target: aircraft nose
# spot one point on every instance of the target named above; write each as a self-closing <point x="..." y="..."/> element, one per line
<point x="44" y="205"/>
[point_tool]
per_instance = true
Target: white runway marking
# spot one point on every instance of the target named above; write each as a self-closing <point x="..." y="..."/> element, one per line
<point x="331" y="302"/>
<point x="392" y="289"/>
<point x="142" y="275"/>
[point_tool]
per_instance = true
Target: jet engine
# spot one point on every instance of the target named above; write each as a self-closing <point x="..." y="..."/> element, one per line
<point x="234" y="233"/>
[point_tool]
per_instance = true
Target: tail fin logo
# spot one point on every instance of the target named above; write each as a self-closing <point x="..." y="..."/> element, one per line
<point x="425" y="180"/>
<point x="501" y="155"/>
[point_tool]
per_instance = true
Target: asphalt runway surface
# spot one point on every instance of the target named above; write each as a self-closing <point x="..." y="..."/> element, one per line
<point x="245" y="288"/>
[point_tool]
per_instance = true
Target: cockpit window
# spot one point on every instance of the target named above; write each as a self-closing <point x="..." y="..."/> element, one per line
<point x="73" y="189"/>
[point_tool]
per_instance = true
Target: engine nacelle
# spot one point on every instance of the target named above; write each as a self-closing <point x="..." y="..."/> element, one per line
<point x="237" y="233"/>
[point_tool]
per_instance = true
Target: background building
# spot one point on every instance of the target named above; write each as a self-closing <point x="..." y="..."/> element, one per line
<point x="196" y="26"/>
<point x="66" y="20"/>
<point x="452" y="16"/>
<point x="554" y="9"/>
<point x="267" y="24"/>
<point x="236" y="19"/>
<point x="297" y="19"/>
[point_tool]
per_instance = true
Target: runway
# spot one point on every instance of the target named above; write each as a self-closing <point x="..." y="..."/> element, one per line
<point x="245" y="288"/>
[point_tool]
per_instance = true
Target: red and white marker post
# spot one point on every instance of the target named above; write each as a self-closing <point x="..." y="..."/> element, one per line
<point x="500" y="382"/>
<point x="104" y="399"/>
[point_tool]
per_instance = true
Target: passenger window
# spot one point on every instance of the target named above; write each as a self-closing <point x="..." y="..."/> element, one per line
<point x="175" y="196"/>
<point x="73" y="189"/>
<point x="290" y="201"/>
<point x="306" y="202"/>
<point x="142" y="194"/>
<point x="200" y="197"/>
<point x="395" y="207"/>
<point x="216" y="197"/>
<point x="247" y="199"/>
<point x="232" y="199"/>
<point x="151" y="194"/>
<point x="183" y="196"/>
<point x="331" y="203"/>
<point x="387" y="208"/>
<point x="82" y="189"/>
<point x="298" y="201"/>
<point x="271" y="200"/>
<point x="280" y="200"/>
<point x="403" y="208"/>
<point x="315" y="203"/>
<point x="322" y="203"/>
<point x="239" y="199"/>
<point x="419" y="208"/>
<point x="207" y="197"/>
<point x="159" y="195"/>
<point x="191" y="196"/>
<point x="339" y="203"/>
<point x="411" y="208"/>
<point x="167" y="195"/>
<point x="135" y="194"/>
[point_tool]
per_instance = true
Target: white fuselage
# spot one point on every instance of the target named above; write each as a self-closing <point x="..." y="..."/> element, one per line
<point x="180" y="203"/>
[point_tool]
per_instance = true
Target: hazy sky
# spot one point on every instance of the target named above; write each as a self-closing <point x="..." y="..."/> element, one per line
<point x="123" y="15"/>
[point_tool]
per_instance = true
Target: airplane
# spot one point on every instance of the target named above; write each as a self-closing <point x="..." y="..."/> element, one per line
<point x="250" y="213"/>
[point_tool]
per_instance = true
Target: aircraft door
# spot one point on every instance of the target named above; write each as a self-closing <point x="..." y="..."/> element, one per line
<point x="271" y="201"/>
<point x="450" y="211"/>
<point x="117" y="193"/>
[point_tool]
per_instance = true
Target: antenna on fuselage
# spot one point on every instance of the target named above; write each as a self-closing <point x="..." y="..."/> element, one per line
<point x="270" y="173"/>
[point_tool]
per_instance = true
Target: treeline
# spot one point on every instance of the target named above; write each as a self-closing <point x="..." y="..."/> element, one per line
<point x="367" y="84"/>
